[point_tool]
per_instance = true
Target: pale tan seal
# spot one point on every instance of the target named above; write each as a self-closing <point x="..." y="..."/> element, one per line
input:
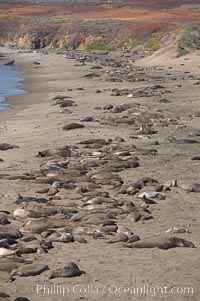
<point x="60" y="237"/>
<point x="8" y="266"/>
<point x="7" y="252"/>
<point x="30" y="270"/>
<point x="40" y="225"/>
<point x="194" y="187"/>
<point x="105" y="177"/>
<point x="95" y="141"/>
<point x="34" y="246"/>
<point x="11" y="263"/>
<point x="119" y="165"/>
<point x="164" y="243"/>
<point x="25" y="213"/>
<point x="65" y="151"/>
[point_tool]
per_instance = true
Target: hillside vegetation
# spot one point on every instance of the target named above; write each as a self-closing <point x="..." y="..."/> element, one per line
<point x="93" y="24"/>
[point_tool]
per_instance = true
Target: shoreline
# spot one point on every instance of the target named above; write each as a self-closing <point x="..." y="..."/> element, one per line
<point x="15" y="102"/>
<point x="19" y="102"/>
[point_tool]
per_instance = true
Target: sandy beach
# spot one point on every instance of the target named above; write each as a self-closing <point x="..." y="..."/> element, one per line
<point x="115" y="90"/>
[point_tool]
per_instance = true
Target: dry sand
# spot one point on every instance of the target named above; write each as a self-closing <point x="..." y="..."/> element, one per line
<point x="34" y="124"/>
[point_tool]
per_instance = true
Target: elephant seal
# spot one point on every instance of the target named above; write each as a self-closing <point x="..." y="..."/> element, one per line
<point x="72" y="126"/>
<point x="6" y="252"/>
<point x="26" y="200"/>
<point x="30" y="270"/>
<point x="69" y="269"/>
<point x="4" y="220"/>
<point x="5" y="243"/>
<point x="8" y="266"/>
<point x="4" y="295"/>
<point x="133" y="238"/>
<point x="9" y="233"/>
<point x="195" y="158"/>
<point x="40" y="225"/>
<point x="34" y="246"/>
<point x="4" y="299"/>
<point x="58" y="237"/>
<point x="65" y="151"/>
<point x="52" y="222"/>
<point x="163" y="243"/>
<point x="10" y="63"/>
<point x="25" y="213"/>
<point x="117" y="166"/>
<point x="194" y="187"/>
<point x="152" y="194"/>
<point x="96" y="141"/>
<point x="120" y="237"/>
<point x="182" y="141"/>
<point x="146" y="129"/>
<point x="21" y="299"/>
<point x="11" y="263"/>
<point x="6" y="146"/>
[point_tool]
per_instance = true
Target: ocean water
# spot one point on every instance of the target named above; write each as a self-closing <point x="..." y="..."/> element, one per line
<point x="10" y="81"/>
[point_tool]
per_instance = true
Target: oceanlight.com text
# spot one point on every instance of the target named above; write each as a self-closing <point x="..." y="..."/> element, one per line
<point x="113" y="289"/>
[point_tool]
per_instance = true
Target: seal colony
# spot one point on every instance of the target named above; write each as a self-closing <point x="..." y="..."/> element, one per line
<point x="78" y="198"/>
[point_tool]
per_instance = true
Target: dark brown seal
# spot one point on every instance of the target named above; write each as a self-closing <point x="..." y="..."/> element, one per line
<point x="72" y="126"/>
<point x="6" y="146"/>
<point x="10" y="63"/>
<point x="69" y="269"/>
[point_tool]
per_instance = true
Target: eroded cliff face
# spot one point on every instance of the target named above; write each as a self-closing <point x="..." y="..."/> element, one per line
<point x="27" y="33"/>
<point x="77" y="36"/>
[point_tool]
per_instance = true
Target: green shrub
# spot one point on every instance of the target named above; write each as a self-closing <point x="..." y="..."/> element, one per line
<point x="182" y="51"/>
<point x="152" y="43"/>
<point x="134" y="43"/>
<point x="98" y="45"/>
<point x="191" y="38"/>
